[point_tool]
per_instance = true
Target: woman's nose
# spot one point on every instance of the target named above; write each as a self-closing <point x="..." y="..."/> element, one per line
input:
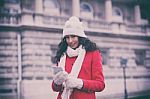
<point x="70" y="39"/>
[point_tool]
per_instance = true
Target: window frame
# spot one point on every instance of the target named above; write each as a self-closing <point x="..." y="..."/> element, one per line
<point x="86" y="14"/>
<point x="140" y="55"/>
<point x="117" y="17"/>
<point x="53" y="48"/>
<point x="48" y="10"/>
<point x="105" y="55"/>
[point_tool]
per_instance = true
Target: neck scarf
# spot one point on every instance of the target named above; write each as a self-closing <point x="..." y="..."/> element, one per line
<point x="80" y="52"/>
<point x="73" y="52"/>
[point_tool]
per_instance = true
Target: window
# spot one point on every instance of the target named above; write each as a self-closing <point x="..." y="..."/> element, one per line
<point x="104" y="52"/>
<point x="11" y="1"/>
<point x="28" y="5"/>
<point x="85" y="7"/>
<point x="8" y="10"/>
<point x="53" y="51"/>
<point x="50" y="4"/>
<point x="86" y="10"/>
<point x="140" y="57"/>
<point x="4" y="10"/>
<point x="51" y="7"/>
<point x="117" y="14"/>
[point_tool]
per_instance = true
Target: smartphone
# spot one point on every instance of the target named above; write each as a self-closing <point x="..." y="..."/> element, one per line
<point x="56" y="69"/>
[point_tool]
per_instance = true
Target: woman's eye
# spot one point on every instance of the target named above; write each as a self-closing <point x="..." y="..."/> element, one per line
<point x="73" y="36"/>
<point x="67" y="37"/>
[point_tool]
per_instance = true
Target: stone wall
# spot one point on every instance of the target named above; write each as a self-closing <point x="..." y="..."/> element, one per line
<point x="8" y="64"/>
<point x="26" y="60"/>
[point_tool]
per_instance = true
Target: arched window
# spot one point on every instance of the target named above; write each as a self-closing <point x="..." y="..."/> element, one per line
<point x="86" y="10"/>
<point x="28" y="5"/>
<point x="117" y="11"/>
<point x="117" y="14"/>
<point x="51" y="7"/>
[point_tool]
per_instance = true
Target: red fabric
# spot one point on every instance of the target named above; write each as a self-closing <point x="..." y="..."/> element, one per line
<point x="91" y="73"/>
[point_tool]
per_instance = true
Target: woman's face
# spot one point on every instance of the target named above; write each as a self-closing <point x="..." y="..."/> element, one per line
<point x="72" y="41"/>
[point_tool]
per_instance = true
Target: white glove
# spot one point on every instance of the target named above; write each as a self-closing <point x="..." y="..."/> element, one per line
<point x="74" y="83"/>
<point x="60" y="77"/>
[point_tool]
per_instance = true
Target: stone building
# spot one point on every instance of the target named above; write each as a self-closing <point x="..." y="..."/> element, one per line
<point x="31" y="29"/>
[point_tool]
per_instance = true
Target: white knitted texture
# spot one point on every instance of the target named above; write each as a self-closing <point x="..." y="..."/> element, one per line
<point x="74" y="27"/>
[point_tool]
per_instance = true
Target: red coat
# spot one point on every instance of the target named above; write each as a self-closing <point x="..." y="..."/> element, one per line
<point x="91" y="73"/>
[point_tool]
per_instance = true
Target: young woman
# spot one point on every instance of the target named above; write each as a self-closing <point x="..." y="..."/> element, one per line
<point x="82" y="64"/>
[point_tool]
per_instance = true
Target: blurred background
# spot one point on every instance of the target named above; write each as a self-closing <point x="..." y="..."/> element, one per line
<point x="30" y="31"/>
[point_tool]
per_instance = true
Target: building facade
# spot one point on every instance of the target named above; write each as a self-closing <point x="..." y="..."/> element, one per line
<point x="31" y="29"/>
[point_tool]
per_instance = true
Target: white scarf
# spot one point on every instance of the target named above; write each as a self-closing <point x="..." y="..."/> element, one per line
<point x="80" y="52"/>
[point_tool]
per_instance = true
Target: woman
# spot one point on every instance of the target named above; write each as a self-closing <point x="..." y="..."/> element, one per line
<point x="82" y="64"/>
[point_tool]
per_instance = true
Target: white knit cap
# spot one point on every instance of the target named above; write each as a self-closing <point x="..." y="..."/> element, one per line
<point x="74" y="27"/>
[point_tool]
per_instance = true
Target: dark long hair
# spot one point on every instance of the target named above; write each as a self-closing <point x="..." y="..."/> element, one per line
<point x="85" y="42"/>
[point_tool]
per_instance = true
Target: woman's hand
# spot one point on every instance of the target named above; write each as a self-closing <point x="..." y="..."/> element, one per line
<point x="74" y="83"/>
<point x="60" y="77"/>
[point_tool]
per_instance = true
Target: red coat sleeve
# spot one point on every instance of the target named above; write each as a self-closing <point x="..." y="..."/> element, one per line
<point x="96" y="83"/>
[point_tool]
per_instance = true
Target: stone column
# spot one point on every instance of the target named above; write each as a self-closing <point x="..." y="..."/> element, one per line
<point x="39" y="11"/>
<point x="108" y="10"/>
<point x="76" y="8"/>
<point x="137" y="14"/>
<point x="27" y="18"/>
